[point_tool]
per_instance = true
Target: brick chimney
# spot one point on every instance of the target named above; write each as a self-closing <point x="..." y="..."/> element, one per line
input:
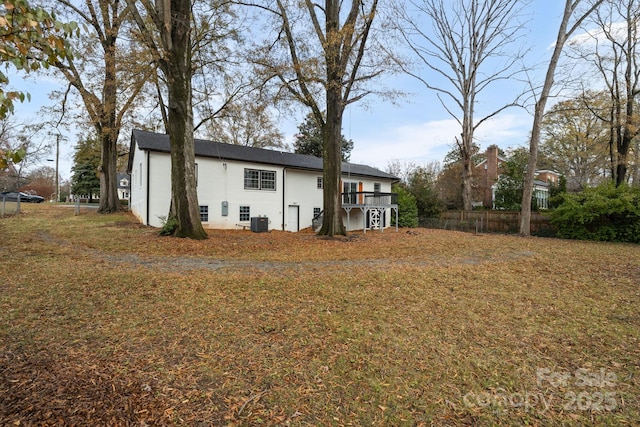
<point x="491" y="174"/>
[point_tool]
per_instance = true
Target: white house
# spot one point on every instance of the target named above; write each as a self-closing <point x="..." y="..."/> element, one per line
<point x="237" y="183"/>
<point x="123" y="186"/>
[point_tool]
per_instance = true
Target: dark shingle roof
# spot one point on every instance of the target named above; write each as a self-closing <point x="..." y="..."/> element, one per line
<point x="151" y="141"/>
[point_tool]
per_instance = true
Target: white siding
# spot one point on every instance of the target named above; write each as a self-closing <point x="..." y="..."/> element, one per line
<point x="159" y="187"/>
<point x="301" y="190"/>
<point x="222" y="180"/>
<point x="138" y="196"/>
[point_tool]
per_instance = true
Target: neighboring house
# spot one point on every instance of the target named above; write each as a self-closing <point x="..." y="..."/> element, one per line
<point x="486" y="176"/>
<point x="548" y="176"/>
<point x="488" y="171"/>
<point x="237" y="183"/>
<point x="124" y="186"/>
<point x="543" y="181"/>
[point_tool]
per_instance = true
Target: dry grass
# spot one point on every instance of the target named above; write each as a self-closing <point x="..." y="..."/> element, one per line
<point x="104" y="322"/>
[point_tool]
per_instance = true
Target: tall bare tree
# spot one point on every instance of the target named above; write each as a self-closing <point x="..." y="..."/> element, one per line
<point x="566" y="29"/>
<point x="611" y="49"/>
<point x="220" y="79"/>
<point x="248" y="123"/>
<point x="105" y="77"/>
<point x="223" y="86"/>
<point x="319" y="56"/>
<point x="471" y="46"/>
<point x="167" y="32"/>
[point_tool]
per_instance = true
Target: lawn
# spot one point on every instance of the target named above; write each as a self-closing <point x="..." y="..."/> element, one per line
<point x="103" y="322"/>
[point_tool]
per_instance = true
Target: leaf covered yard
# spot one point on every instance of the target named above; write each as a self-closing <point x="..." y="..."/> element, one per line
<point x="103" y="322"/>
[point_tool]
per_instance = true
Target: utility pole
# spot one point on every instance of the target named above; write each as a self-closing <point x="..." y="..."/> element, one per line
<point x="57" y="170"/>
<point x="57" y="193"/>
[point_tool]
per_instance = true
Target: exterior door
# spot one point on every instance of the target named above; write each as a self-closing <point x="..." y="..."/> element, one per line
<point x="293" y="218"/>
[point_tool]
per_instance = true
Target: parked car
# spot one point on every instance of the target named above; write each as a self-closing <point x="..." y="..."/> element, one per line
<point x="12" y="196"/>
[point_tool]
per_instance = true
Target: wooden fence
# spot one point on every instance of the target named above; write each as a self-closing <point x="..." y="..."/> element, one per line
<point x="490" y="221"/>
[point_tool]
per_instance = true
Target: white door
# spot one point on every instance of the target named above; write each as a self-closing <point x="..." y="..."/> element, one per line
<point x="293" y="218"/>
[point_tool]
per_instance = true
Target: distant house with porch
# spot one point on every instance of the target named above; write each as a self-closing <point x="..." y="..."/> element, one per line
<point x="236" y="184"/>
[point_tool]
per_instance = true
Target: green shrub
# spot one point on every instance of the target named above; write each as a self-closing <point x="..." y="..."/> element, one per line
<point x="423" y="188"/>
<point x="169" y="225"/>
<point x="407" y="208"/>
<point x="604" y="213"/>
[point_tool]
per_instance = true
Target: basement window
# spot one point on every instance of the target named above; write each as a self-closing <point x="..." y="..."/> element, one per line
<point x="204" y="213"/>
<point x="245" y="213"/>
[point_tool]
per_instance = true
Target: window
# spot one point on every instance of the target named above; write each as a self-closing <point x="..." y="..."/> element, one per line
<point x="267" y="180"/>
<point x="204" y="213"/>
<point x="251" y="179"/>
<point x="319" y="183"/>
<point x="259" y="180"/>
<point x="245" y="213"/>
<point x="349" y="190"/>
<point x="376" y="187"/>
<point x="316" y="212"/>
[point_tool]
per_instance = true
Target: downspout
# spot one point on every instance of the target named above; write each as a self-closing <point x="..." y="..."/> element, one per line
<point x="284" y="174"/>
<point x="148" y="184"/>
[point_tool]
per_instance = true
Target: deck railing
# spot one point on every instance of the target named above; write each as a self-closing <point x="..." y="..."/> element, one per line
<point x="369" y="198"/>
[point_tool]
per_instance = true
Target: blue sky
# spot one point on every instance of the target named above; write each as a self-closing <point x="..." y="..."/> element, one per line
<point x="418" y="130"/>
<point x="421" y="131"/>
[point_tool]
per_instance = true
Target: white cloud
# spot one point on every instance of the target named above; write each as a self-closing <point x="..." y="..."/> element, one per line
<point x="425" y="142"/>
<point x="591" y="38"/>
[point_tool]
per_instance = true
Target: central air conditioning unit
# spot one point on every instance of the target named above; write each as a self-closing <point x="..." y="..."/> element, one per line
<point x="259" y="224"/>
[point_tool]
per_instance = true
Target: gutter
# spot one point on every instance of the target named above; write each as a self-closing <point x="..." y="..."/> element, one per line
<point x="284" y="174"/>
<point x="148" y="184"/>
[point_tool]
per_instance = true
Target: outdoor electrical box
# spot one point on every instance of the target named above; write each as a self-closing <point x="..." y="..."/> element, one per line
<point x="259" y="224"/>
<point x="225" y="208"/>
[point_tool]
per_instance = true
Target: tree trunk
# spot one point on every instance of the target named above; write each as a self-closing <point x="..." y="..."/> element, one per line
<point x="467" y="182"/>
<point x="467" y="150"/>
<point x="184" y="198"/>
<point x="630" y="79"/>
<point x="630" y="130"/>
<point x="107" y="130"/>
<point x="621" y="169"/>
<point x="332" y="130"/>
<point x="109" y="202"/>
<point x="527" y="191"/>
<point x="612" y="146"/>
<point x="332" y="171"/>
<point x="108" y="134"/>
<point x="635" y="168"/>
<point x="563" y="34"/>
